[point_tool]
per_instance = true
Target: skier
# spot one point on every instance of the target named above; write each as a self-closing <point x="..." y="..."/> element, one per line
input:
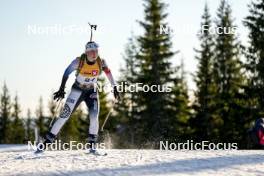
<point x="88" y="67"/>
<point x="256" y="135"/>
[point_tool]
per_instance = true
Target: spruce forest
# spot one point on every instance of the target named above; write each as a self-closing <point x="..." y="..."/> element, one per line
<point x="228" y="97"/>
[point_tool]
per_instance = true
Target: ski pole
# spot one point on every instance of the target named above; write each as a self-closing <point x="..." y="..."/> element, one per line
<point x="106" y="118"/>
<point x="92" y="26"/>
<point x="55" y="112"/>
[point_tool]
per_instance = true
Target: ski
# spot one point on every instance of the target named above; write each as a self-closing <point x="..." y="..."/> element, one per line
<point x="30" y="155"/>
<point x="96" y="153"/>
<point x="40" y="154"/>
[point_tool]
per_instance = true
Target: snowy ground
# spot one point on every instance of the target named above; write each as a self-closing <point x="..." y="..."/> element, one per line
<point x="131" y="162"/>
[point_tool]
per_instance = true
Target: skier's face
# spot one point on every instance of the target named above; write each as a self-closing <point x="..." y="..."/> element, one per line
<point x="92" y="54"/>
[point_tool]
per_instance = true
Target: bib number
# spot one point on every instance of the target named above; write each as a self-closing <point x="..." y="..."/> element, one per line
<point x="90" y="80"/>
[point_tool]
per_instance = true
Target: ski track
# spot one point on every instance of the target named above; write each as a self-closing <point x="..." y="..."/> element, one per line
<point x="134" y="162"/>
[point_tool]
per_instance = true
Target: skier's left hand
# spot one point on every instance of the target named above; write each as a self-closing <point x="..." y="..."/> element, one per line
<point x="116" y="93"/>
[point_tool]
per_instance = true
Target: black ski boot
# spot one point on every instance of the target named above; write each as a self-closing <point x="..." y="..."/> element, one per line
<point x="49" y="139"/>
<point x="92" y="139"/>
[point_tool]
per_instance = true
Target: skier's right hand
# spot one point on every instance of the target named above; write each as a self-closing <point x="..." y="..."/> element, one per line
<point x="59" y="94"/>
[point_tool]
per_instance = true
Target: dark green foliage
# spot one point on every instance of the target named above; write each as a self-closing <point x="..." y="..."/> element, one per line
<point x="41" y="121"/>
<point x="29" y="130"/>
<point x="17" y="126"/>
<point x="178" y="126"/>
<point x="148" y="117"/>
<point x="228" y="79"/>
<point x="229" y="94"/>
<point x="155" y="69"/>
<point x="5" y="112"/>
<point x="255" y="57"/>
<point x="127" y="108"/>
<point x="203" y="123"/>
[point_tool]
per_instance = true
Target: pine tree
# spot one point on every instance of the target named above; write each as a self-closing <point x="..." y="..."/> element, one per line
<point x="41" y="122"/>
<point x="29" y="129"/>
<point x="228" y="78"/>
<point x="203" y="121"/>
<point x="5" y="113"/>
<point x="179" y="127"/>
<point x="17" y="127"/>
<point x="155" y="69"/>
<point x="127" y="107"/>
<point x="255" y="58"/>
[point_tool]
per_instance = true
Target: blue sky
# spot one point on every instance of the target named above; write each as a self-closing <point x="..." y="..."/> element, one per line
<point x="32" y="65"/>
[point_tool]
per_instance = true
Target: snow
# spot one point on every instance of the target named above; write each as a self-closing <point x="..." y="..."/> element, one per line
<point x="12" y="147"/>
<point x="131" y="162"/>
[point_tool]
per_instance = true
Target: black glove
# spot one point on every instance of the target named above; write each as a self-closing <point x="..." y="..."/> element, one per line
<point x="116" y="93"/>
<point x="59" y="94"/>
